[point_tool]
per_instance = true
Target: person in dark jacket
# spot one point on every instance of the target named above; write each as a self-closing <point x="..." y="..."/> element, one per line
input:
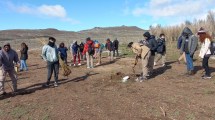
<point x="76" y="53"/>
<point x="23" y="57"/>
<point x="81" y="49"/>
<point x="182" y="56"/>
<point x="115" y="48"/>
<point x="63" y="52"/>
<point x="109" y="47"/>
<point x="152" y="44"/>
<point x="189" y="45"/>
<point x="8" y="57"/>
<point x="161" y="50"/>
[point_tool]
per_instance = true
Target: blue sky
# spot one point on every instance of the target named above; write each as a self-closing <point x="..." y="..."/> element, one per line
<point x="75" y="15"/>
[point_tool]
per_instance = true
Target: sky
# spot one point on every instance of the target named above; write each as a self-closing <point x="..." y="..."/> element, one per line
<point x="76" y="15"/>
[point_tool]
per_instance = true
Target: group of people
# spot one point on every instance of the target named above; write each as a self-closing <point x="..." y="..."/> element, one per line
<point x="149" y="50"/>
<point x="187" y="44"/>
<point x="52" y="54"/>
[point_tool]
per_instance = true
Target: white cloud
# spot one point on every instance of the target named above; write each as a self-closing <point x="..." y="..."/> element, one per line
<point x="174" y="10"/>
<point x="159" y="2"/>
<point x="166" y="8"/>
<point x="51" y="11"/>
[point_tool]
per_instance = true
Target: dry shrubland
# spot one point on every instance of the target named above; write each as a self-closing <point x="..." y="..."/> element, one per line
<point x="173" y="32"/>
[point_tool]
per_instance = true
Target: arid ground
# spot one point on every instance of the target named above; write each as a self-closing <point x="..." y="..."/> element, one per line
<point x="100" y="94"/>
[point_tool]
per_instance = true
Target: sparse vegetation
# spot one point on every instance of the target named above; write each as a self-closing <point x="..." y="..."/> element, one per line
<point x="18" y="112"/>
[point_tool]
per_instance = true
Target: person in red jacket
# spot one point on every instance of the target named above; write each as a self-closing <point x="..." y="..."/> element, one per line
<point x="89" y="50"/>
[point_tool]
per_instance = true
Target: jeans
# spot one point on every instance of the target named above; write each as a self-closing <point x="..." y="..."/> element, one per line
<point x="189" y="62"/>
<point x="23" y="65"/>
<point x="205" y="65"/>
<point x="52" y="66"/>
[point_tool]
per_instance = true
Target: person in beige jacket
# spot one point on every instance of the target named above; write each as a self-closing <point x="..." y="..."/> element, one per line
<point x="205" y="52"/>
<point x="142" y="52"/>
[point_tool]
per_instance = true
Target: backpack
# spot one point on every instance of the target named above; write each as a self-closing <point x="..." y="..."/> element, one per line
<point x="102" y="46"/>
<point x="91" y="50"/>
<point x="212" y="48"/>
<point x="96" y="44"/>
<point x="81" y="47"/>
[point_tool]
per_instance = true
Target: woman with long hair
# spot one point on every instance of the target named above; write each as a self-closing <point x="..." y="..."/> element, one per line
<point x="23" y="57"/>
<point x="205" y="52"/>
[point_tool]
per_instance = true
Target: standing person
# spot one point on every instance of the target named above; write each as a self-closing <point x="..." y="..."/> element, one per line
<point x="143" y="52"/>
<point x="7" y="58"/>
<point x="115" y="48"/>
<point x="89" y="51"/>
<point x="70" y="48"/>
<point x="76" y="53"/>
<point x="63" y="52"/>
<point x="109" y="47"/>
<point x="205" y="52"/>
<point x="23" y="57"/>
<point x="182" y="56"/>
<point x="81" y="49"/>
<point x="189" y="45"/>
<point x="152" y="43"/>
<point x="161" y="50"/>
<point x="50" y="55"/>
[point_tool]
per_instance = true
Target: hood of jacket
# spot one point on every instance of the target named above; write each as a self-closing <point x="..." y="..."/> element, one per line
<point x="147" y="34"/>
<point x="186" y="32"/>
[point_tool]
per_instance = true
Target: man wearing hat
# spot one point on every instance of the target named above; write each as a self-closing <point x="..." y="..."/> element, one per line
<point x="7" y="59"/>
<point x="50" y="55"/>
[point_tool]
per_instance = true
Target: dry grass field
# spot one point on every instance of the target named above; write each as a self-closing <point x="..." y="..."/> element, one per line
<point x="100" y="94"/>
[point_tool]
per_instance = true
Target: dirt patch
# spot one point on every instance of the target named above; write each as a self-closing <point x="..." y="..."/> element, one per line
<point x="100" y="94"/>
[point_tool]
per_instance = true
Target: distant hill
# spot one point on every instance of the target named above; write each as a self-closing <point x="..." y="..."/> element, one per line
<point x="122" y="33"/>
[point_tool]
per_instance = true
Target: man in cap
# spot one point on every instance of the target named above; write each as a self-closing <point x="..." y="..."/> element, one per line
<point x="50" y="55"/>
<point x="7" y="59"/>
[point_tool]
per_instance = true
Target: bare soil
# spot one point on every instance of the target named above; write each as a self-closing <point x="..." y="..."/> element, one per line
<point x="100" y="94"/>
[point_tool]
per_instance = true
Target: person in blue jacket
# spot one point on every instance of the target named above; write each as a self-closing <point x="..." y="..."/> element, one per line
<point x="63" y="52"/>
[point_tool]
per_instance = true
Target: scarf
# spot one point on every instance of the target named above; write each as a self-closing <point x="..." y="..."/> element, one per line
<point x="51" y="44"/>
